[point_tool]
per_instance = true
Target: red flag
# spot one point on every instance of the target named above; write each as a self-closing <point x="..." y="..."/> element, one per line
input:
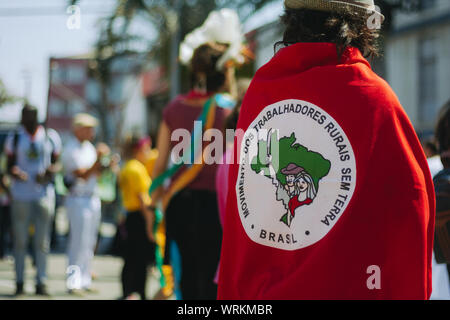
<point x="331" y="139"/>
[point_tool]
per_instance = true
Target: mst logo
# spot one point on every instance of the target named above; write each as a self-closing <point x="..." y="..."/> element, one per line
<point x="297" y="183"/>
<point x="297" y="174"/>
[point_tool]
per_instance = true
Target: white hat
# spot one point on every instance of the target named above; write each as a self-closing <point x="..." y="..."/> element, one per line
<point x="221" y="26"/>
<point x="84" y="120"/>
<point x="363" y="6"/>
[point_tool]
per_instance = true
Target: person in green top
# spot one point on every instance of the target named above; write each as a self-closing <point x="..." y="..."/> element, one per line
<point x="139" y="240"/>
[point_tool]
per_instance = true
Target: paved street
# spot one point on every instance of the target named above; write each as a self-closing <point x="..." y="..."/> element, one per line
<point x="107" y="282"/>
<point x="106" y="268"/>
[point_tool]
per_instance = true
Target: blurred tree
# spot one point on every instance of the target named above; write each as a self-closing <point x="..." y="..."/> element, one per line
<point x="389" y="6"/>
<point x="6" y="97"/>
<point x="166" y="23"/>
<point x="175" y="18"/>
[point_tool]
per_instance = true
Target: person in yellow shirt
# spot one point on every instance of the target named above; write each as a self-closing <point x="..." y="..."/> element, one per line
<point x="139" y="242"/>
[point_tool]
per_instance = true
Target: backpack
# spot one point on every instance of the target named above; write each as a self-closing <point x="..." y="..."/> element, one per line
<point x="442" y="225"/>
<point x="16" y="142"/>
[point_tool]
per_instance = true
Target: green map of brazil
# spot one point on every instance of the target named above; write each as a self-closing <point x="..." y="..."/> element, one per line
<point x="295" y="171"/>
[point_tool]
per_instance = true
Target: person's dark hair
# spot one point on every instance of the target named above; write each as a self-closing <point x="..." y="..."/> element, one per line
<point x="29" y="118"/>
<point x="204" y="61"/>
<point x="430" y="144"/>
<point x="232" y="119"/>
<point x="130" y="145"/>
<point x="442" y="133"/>
<point x="345" y="29"/>
<point x="29" y="109"/>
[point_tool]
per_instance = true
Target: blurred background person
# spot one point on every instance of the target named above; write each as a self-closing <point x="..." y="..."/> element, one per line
<point x="32" y="152"/>
<point x="192" y="216"/>
<point x="222" y="170"/>
<point x="441" y="257"/>
<point x="166" y="271"/>
<point x="139" y="241"/>
<point x="83" y="163"/>
<point x="5" y="216"/>
<point x="228" y="157"/>
<point x="432" y="154"/>
<point x="192" y="219"/>
<point x="151" y="157"/>
<point x="321" y="62"/>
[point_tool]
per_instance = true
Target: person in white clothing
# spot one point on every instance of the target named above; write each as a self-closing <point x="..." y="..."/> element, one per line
<point x="82" y="166"/>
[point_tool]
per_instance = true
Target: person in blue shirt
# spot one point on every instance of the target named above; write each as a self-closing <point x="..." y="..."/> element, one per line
<point x="32" y="153"/>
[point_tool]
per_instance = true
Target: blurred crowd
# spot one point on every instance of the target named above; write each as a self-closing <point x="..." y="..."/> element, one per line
<point x="172" y="213"/>
<point x="37" y="164"/>
<point x="190" y="231"/>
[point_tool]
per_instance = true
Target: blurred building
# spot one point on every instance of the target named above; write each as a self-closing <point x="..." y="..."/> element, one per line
<point x="263" y="29"/>
<point x="5" y="129"/>
<point x="73" y="88"/>
<point x="155" y="87"/>
<point x="67" y="92"/>
<point x="418" y="61"/>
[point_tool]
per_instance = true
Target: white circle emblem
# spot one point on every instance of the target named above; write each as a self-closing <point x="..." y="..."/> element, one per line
<point x="297" y="175"/>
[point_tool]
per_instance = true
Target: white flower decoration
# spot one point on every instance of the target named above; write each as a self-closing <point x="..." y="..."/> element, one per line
<point x="221" y="26"/>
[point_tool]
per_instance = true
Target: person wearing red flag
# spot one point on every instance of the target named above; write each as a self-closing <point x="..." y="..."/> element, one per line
<point x="361" y="225"/>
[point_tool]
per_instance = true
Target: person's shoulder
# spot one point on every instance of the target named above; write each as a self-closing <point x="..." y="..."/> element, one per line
<point x="134" y="167"/>
<point x="382" y="87"/>
<point x="125" y="168"/>
<point x="89" y="145"/>
<point x="435" y="163"/>
<point x="52" y="133"/>
<point x="16" y="133"/>
<point x="443" y="175"/>
<point x="441" y="181"/>
<point x="175" y="103"/>
<point x="87" y="149"/>
<point x="55" y="138"/>
<point x="71" y="146"/>
<point x="12" y="137"/>
<point x="380" y="98"/>
<point x="71" y="141"/>
<point x="154" y="153"/>
<point x="132" y="164"/>
<point x="174" y="109"/>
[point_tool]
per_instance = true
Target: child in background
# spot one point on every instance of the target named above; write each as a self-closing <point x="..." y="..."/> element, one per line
<point x="139" y="244"/>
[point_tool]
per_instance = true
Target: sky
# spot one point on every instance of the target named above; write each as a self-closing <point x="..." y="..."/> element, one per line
<point x="32" y="31"/>
<point x="269" y="13"/>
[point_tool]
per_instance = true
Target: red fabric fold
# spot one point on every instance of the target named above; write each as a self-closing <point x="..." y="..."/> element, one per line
<point x="389" y="221"/>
